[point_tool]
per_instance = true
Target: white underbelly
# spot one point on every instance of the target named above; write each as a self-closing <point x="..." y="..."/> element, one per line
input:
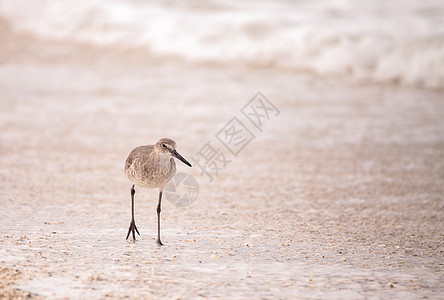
<point x="149" y="180"/>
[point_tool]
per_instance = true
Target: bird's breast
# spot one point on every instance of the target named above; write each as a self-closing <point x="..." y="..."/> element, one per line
<point x="154" y="173"/>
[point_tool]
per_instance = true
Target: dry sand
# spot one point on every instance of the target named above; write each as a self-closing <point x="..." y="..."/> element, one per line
<point x="339" y="197"/>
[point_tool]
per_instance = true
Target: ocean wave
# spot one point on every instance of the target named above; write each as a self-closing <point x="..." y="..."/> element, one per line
<point x="384" y="41"/>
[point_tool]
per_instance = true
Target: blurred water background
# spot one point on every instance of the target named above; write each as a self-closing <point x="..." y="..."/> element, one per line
<point x="395" y="41"/>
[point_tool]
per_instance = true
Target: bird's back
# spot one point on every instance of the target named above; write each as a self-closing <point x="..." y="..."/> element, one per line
<point x="141" y="152"/>
<point x="147" y="170"/>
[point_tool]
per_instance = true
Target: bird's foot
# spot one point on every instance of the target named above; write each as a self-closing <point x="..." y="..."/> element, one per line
<point x="159" y="242"/>
<point x="132" y="228"/>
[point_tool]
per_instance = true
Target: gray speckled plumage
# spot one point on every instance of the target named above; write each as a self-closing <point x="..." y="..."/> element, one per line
<point x="151" y="166"/>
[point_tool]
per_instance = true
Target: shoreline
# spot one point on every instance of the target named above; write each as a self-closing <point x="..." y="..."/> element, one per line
<point x="339" y="197"/>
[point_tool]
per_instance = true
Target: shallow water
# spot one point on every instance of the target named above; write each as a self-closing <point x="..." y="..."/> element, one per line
<point x="367" y="41"/>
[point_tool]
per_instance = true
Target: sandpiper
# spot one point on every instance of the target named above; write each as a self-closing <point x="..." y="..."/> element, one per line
<point x="151" y="167"/>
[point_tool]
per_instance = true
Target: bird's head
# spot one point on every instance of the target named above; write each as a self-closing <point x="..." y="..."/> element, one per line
<point x="167" y="146"/>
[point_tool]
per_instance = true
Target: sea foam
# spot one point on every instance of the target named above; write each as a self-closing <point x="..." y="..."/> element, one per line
<point x="398" y="41"/>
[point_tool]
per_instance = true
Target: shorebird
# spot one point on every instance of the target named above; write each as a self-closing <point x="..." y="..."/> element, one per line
<point x="151" y="166"/>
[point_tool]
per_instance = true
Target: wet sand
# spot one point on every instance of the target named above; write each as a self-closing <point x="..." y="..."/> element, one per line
<point x="339" y="197"/>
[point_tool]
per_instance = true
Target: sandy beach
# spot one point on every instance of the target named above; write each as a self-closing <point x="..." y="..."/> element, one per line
<point x="339" y="195"/>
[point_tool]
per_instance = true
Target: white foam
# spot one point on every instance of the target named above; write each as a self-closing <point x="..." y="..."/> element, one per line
<point x="398" y="40"/>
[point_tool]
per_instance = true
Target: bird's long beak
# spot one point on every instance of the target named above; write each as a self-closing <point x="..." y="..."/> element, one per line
<point x="179" y="157"/>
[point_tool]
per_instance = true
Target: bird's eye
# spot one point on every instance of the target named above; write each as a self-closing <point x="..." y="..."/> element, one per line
<point x="164" y="146"/>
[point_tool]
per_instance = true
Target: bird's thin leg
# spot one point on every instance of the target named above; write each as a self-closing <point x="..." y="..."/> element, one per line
<point x="159" y="242"/>
<point x="132" y="228"/>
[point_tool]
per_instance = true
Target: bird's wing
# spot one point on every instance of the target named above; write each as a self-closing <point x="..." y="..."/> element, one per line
<point x="137" y="153"/>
